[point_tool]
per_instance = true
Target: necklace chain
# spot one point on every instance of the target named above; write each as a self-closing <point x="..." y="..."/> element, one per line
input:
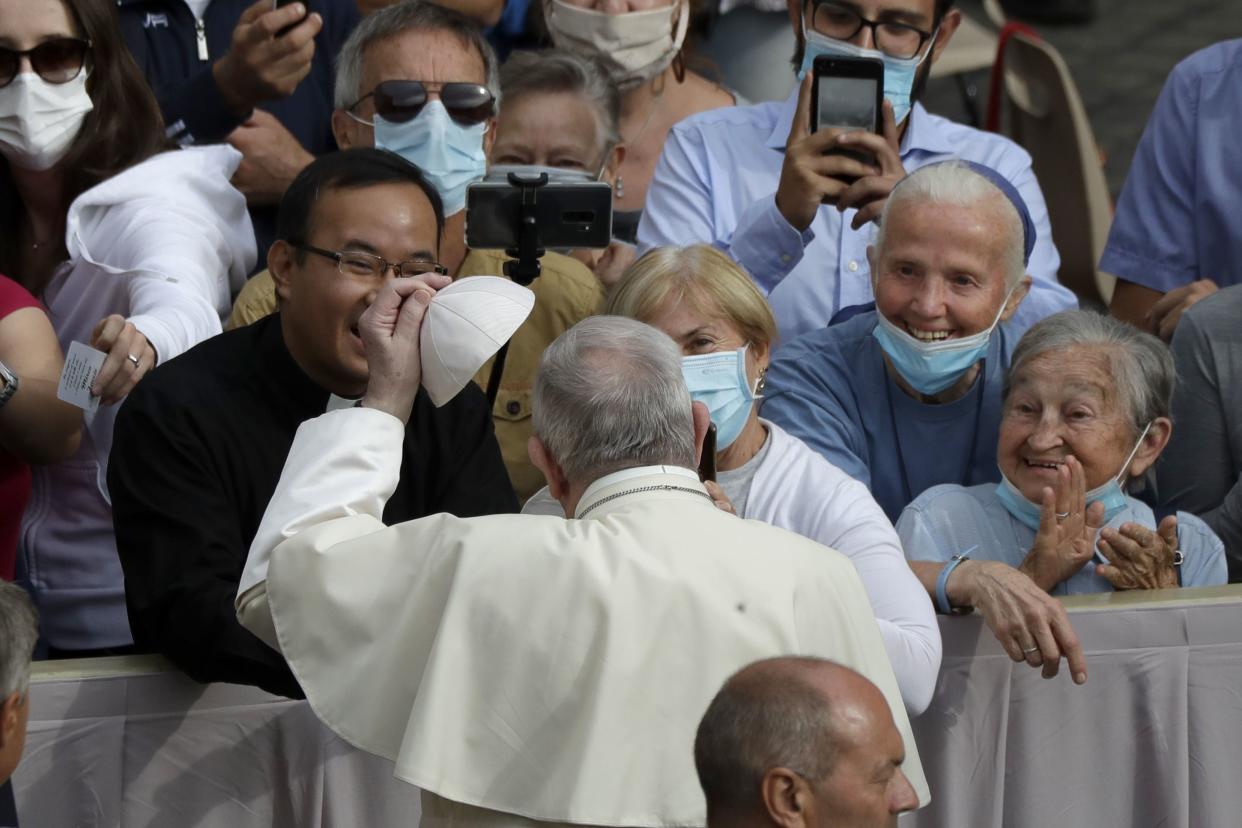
<point x="663" y="487"/>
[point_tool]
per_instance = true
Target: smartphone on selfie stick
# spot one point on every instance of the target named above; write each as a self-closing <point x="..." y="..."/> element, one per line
<point x="848" y="94"/>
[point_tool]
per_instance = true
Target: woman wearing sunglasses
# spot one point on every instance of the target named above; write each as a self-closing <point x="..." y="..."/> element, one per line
<point x="130" y="249"/>
<point x="640" y="42"/>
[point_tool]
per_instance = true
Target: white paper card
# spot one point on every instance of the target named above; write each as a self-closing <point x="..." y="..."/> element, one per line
<point x="82" y="365"/>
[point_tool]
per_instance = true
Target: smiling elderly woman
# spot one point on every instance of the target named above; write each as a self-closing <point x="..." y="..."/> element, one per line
<point x="1086" y="410"/>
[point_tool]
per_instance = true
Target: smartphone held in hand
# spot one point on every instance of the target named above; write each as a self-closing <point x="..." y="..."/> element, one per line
<point x="847" y="94"/>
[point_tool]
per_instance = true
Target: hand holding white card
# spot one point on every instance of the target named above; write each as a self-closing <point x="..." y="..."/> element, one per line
<point x="82" y="364"/>
<point x="466" y="323"/>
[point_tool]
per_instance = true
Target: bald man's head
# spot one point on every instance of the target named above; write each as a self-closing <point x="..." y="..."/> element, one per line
<point x="801" y="743"/>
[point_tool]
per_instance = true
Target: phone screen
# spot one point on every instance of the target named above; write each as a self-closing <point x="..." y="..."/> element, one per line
<point x="846" y="103"/>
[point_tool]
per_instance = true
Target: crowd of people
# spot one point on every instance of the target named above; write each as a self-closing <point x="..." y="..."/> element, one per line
<point x="819" y="387"/>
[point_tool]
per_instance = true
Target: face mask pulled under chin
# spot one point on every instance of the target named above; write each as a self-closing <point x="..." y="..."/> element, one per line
<point x="931" y="367"/>
<point x="450" y="155"/>
<point x="40" y="120"/>
<point x="1110" y="493"/>
<point x="900" y="74"/>
<point x="634" y="47"/>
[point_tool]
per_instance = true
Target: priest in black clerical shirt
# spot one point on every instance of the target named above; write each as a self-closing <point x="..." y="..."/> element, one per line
<point x="199" y="445"/>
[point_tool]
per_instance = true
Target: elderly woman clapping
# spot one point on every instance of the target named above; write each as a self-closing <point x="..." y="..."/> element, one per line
<point x="725" y="329"/>
<point x="1085" y="411"/>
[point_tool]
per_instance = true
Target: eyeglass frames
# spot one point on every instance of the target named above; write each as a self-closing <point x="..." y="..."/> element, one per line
<point x="399" y="101"/>
<point x="56" y="61"/>
<point x="369" y="266"/>
<point x="841" y="22"/>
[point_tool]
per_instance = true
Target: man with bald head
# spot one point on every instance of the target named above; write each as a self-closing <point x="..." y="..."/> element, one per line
<point x="801" y="743"/>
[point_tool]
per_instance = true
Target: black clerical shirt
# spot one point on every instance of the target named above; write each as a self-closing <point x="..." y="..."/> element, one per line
<point x="197" y="451"/>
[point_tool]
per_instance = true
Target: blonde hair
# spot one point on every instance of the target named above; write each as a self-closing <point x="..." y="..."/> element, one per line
<point x="698" y="275"/>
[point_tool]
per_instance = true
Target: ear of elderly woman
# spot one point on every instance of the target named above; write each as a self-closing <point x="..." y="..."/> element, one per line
<point x="1086" y="410"/>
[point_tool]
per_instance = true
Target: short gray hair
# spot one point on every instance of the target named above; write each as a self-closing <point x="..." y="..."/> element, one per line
<point x="1140" y="364"/>
<point x="391" y="21"/>
<point x="610" y="395"/>
<point x="556" y="70"/>
<point x="956" y="183"/>
<point x="763" y="719"/>
<point x="19" y="630"/>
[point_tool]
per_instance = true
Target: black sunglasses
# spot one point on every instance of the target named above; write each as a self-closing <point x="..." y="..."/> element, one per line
<point x="399" y="101"/>
<point x="56" y="61"/>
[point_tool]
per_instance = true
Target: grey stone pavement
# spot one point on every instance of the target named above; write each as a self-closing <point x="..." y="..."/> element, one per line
<point x="1120" y="61"/>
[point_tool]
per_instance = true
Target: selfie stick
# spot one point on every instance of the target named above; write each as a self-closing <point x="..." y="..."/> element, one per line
<point x="524" y="267"/>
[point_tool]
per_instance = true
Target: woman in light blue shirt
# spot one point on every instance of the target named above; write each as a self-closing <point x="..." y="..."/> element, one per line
<point x="1086" y="409"/>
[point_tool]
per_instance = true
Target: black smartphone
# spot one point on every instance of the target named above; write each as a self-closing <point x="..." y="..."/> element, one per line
<point x="848" y="94"/>
<point x="707" y="463"/>
<point x="567" y="214"/>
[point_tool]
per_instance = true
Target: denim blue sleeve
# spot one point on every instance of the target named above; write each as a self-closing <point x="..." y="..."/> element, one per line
<point x="1152" y="240"/>
<point x="680" y="210"/>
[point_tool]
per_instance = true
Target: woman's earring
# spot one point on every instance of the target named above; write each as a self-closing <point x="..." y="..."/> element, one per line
<point x="619" y="188"/>
<point x="762" y="383"/>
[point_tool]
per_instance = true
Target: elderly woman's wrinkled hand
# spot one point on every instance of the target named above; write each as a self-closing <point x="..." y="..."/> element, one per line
<point x="1031" y="625"/>
<point x="1140" y="558"/>
<point x="1067" y="529"/>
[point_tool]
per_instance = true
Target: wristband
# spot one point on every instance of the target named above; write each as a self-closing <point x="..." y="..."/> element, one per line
<point x="942" y="597"/>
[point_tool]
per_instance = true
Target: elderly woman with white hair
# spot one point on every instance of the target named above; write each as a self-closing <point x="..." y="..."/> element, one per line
<point x="907" y="396"/>
<point x="725" y="330"/>
<point x="1085" y="412"/>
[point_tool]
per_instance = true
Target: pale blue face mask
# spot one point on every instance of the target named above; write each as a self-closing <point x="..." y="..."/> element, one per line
<point x="931" y="367"/>
<point x="1109" y="493"/>
<point x="899" y="73"/>
<point x="450" y="155"/>
<point x="719" y="381"/>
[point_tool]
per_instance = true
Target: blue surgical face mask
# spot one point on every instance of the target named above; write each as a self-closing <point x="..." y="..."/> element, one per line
<point x="719" y="381"/>
<point x="1109" y="493"/>
<point x="899" y="73"/>
<point x="931" y="367"/>
<point x="449" y="154"/>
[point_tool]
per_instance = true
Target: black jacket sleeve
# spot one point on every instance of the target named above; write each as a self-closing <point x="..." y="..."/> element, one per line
<point x="181" y="546"/>
<point x="475" y="479"/>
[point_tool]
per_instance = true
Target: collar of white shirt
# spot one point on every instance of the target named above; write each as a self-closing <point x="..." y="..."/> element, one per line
<point x="612" y="485"/>
<point x="924" y="133"/>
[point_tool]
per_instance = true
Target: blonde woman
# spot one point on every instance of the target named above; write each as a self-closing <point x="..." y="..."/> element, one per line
<point x="725" y="329"/>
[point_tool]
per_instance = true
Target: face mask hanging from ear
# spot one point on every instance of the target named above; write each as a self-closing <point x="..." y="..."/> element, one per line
<point x="635" y="47"/>
<point x="1110" y="493"/>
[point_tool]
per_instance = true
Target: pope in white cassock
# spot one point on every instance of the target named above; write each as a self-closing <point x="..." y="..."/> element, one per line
<point x="524" y="667"/>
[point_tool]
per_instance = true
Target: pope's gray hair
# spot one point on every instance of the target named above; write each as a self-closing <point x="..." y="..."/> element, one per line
<point x="956" y="183"/>
<point x="19" y="629"/>
<point x="411" y="15"/>
<point x="556" y="70"/>
<point x="1140" y="365"/>
<point x="610" y="395"/>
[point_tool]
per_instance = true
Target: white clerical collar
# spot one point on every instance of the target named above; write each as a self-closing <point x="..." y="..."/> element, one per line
<point x="631" y="474"/>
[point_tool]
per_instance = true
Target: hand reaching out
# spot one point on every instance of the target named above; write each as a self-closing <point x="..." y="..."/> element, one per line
<point x="390" y="330"/>
<point x="120" y="340"/>
<point x="1067" y="529"/>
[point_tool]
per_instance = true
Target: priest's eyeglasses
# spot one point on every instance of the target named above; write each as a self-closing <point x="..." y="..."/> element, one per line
<point x="840" y="21"/>
<point x="361" y="265"/>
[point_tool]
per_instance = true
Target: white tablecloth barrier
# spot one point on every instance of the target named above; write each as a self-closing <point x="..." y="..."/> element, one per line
<point x="1153" y="739"/>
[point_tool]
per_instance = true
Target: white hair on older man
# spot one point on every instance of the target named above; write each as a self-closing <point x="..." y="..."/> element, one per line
<point x="411" y="15"/>
<point x="957" y="184"/>
<point x="19" y="629"/>
<point x="610" y="395"/>
<point x="1140" y="364"/>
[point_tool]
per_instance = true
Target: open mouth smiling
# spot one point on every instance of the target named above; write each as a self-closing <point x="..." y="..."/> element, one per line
<point x="925" y="335"/>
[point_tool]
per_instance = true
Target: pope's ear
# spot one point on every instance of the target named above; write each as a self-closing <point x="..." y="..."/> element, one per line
<point x="541" y="458"/>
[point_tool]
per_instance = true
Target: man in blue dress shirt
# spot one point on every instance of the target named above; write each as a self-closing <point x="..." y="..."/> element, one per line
<point x="1176" y="236"/>
<point x="756" y="182"/>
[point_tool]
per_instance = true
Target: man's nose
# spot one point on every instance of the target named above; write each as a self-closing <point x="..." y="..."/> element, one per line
<point x="903" y="798"/>
<point x="865" y="38"/>
<point x="1047" y="432"/>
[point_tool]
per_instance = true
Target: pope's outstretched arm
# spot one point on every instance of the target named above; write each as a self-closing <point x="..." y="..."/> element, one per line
<point x="346" y="464"/>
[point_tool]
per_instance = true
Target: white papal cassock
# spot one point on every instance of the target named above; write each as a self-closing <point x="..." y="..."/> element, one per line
<point x="548" y="668"/>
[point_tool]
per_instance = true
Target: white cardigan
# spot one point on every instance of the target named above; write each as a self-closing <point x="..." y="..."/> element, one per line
<point x="798" y="490"/>
<point x="164" y="244"/>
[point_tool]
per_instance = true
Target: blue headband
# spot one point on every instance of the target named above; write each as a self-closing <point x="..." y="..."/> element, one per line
<point x="1010" y="192"/>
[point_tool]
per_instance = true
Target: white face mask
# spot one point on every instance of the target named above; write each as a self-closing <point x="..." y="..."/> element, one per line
<point x="635" y="46"/>
<point x="39" y="120"/>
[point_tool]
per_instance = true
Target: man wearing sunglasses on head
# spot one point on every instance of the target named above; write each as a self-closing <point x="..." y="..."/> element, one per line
<point x="197" y="454"/>
<point x="421" y="80"/>
<point x="794" y="206"/>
